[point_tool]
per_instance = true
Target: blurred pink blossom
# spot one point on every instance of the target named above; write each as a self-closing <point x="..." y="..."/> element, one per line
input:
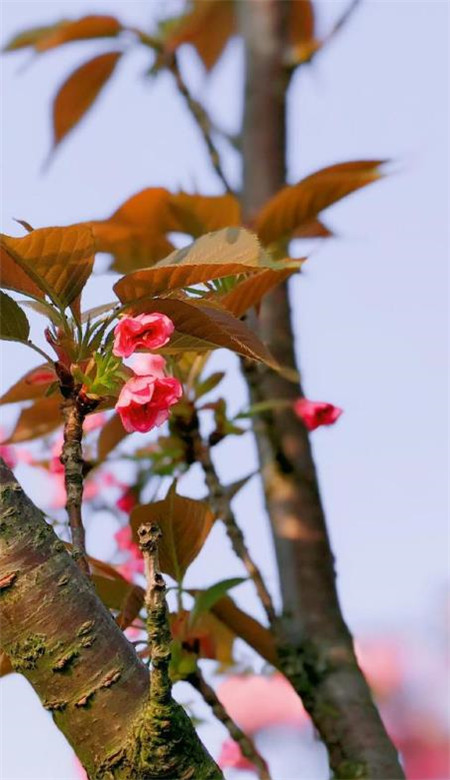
<point x="231" y="756"/>
<point x="256" y="702"/>
<point x="316" y="413"/>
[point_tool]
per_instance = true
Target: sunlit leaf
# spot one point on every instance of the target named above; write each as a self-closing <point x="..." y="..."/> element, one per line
<point x="224" y="253"/>
<point x="249" y="293"/>
<point x="206" y="599"/>
<point x="207" y="638"/>
<point x="56" y="261"/>
<point x="78" y="93"/>
<point x="32" y="36"/>
<point x="43" y="417"/>
<point x="136" y="233"/>
<point x="185" y="524"/>
<point x="32" y="385"/>
<point x="208" y="25"/>
<point x="111" y="435"/>
<point x="205" y="326"/>
<point x="199" y="214"/>
<point x="293" y="206"/>
<point x="119" y="594"/>
<point x="14" y="325"/>
<point x="92" y="26"/>
<point x="246" y="627"/>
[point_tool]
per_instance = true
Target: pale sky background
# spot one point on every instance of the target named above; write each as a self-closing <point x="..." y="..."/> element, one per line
<point x="371" y="306"/>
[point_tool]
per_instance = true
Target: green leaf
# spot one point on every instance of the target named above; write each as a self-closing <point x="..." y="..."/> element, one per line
<point x="207" y="598"/>
<point x="14" y="325"/>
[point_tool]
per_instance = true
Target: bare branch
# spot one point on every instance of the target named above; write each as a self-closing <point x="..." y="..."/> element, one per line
<point x="247" y="746"/>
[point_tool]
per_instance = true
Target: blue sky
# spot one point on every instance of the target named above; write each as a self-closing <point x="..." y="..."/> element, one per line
<point x="370" y="308"/>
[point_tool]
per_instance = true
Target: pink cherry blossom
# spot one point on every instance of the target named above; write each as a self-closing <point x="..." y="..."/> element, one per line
<point x="94" y="421"/>
<point x="8" y="455"/>
<point x="146" y="364"/>
<point x="144" y="401"/>
<point x="316" y="413"/>
<point x="256" y="702"/>
<point x="127" y="501"/>
<point x="147" y="331"/>
<point x="231" y="756"/>
<point x="134" y="564"/>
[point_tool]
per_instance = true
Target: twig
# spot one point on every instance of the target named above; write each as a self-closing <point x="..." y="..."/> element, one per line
<point x="201" y="118"/>
<point x="72" y="460"/>
<point x="159" y="636"/>
<point x="248" y="749"/>
<point x="222" y="507"/>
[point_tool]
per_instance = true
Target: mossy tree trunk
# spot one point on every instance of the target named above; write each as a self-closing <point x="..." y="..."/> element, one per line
<point x="59" y="635"/>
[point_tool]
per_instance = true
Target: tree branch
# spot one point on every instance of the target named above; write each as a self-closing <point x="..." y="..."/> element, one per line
<point x="201" y="118"/>
<point x="319" y="660"/>
<point x="221" y="506"/>
<point x="72" y="460"/>
<point x="60" y="636"/>
<point x="247" y="746"/>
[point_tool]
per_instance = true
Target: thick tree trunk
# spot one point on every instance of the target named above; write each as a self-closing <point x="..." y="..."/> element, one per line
<point x="318" y="657"/>
<point x="59" y="635"/>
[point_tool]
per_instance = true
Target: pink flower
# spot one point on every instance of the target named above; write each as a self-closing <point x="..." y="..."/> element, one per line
<point x="8" y="455"/>
<point x="94" y="421"/>
<point x="134" y="563"/>
<point x="144" y="401"/>
<point x="149" y="331"/>
<point x="316" y="413"/>
<point x="256" y="702"/>
<point x="127" y="501"/>
<point x="231" y="756"/>
<point x="146" y="364"/>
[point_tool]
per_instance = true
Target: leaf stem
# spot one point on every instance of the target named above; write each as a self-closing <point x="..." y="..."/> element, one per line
<point x="221" y="505"/>
<point x="248" y="748"/>
<point x="202" y="120"/>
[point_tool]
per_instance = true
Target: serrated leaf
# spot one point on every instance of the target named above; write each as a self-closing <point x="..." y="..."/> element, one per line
<point x="249" y="292"/>
<point x="213" y="256"/>
<point x="111" y="435"/>
<point x="208" y="25"/>
<point x="199" y="214"/>
<point x="80" y="90"/>
<point x="34" y="384"/>
<point x="14" y="325"/>
<point x="56" y="261"/>
<point x="185" y="524"/>
<point x="293" y="206"/>
<point x="42" y="417"/>
<point x="206" y="599"/>
<point x="136" y="233"/>
<point x="206" y="326"/>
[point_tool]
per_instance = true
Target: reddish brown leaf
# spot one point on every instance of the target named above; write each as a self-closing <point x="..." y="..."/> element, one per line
<point x="57" y="261"/>
<point x="249" y="293"/>
<point x="43" y="417"/>
<point x="111" y="435"/>
<point x="185" y="525"/>
<point x="208" y="27"/>
<point x="199" y="214"/>
<point x="294" y="206"/>
<point x="78" y="93"/>
<point x="205" y="325"/>
<point x="5" y="665"/>
<point x="31" y="386"/>
<point x="224" y="253"/>
<point x="136" y="233"/>
<point x="92" y="26"/>
<point x="247" y="628"/>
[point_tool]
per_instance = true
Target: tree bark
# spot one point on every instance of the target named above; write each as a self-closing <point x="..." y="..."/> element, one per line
<point x="59" y="635"/>
<point x="317" y="654"/>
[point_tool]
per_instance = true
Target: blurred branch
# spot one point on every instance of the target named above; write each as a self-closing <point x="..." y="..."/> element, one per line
<point x="246" y="745"/>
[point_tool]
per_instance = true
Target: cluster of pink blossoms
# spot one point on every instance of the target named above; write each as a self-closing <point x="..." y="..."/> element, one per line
<point x="146" y="398"/>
